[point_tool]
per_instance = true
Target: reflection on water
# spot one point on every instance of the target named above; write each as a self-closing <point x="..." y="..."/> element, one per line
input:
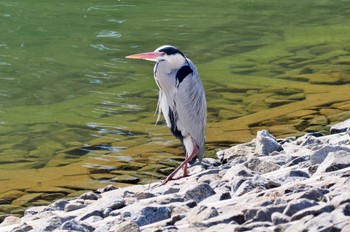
<point x="68" y="96"/>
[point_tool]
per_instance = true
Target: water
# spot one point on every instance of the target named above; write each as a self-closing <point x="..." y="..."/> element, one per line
<point x="66" y="88"/>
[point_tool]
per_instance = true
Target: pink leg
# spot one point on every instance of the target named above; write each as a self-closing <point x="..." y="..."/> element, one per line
<point x="183" y="164"/>
<point x="185" y="167"/>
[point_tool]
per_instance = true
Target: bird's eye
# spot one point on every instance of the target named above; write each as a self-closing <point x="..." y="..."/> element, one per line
<point x="163" y="54"/>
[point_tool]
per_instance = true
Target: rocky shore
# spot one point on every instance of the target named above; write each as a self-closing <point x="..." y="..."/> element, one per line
<point x="293" y="184"/>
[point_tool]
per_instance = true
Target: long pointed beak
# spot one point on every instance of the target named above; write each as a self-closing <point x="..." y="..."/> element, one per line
<point x="151" y="56"/>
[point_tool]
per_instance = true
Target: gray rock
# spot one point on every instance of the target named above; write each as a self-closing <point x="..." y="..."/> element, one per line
<point x="250" y="185"/>
<point x="222" y="227"/>
<point x="322" y="222"/>
<point x="263" y="214"/>
<point x="297" y="160"/>
<point x="309" y="139"/>
<point x="94" y="213"/>
<point x="254" y="226"/>
<point x="73" y="225"/>
<point x="71" y="206"/>
<point x="171" y="190"/>
<point x="266" y="143"/>
<point x="236" y="183"/>
<point x="291" y="179"/>
<point x="128" y="193"/>
<point x="51" y="224"/>
<point x="151" y="214"/>
<point x="208" y="172"/>
<point x="170" y="200"/>
<point x="340" y="199"/>
<point x="144" y="195"/>
<point x="316" y="194"/>
<point x="127" y="226"/>
<point x="227" y="218"/>
<point x="320" y="155"/>
<point x="335" y="161"/>
<point x="298" y="205"/>
<point x="238" y="170"/>
<point x="199" y="192"/>
<point x="280" y="159"/>
<point x="216" y="197"/>
<point x="23" y="228"/>
<point x="298" y="173"/>
<point x="201" y="213"/>
<point x="340" y="127"/>
<point x="59" y="205"/>
<point x="314" y="211"/>
<point x="224" y="196"/>
<point x="90" y="196"/>
<point x="261" y="166"/>
<point x="106" y="189"/>
<point x="35" y="210"/>
<point x="239" y="151"/>
<point x="279" y="218"/>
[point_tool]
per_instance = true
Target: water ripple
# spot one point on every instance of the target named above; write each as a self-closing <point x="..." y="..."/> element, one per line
<point x="5" y="15"/>
<point x="108" y="34"/>
<point x="116" y="21"/>
<point x="102" y="47"/>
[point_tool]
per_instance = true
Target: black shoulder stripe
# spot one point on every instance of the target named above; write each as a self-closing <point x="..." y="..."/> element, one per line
<point x="182" y="73"/>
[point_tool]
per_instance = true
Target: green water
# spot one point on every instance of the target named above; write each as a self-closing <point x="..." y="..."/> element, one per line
<point x="64" y="80"/>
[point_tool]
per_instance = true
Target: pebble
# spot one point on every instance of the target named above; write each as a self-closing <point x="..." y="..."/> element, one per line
<point x="295" y="184"/>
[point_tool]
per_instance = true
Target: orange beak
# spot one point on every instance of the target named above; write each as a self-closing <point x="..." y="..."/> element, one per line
<point x="151" y="56"/>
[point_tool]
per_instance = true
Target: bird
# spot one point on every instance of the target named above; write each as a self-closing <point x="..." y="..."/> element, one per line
<point x="181" y="100"/>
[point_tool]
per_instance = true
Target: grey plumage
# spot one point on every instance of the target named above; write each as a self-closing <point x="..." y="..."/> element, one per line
<point x="181" y="99"/>
<point x="186" y="100"/>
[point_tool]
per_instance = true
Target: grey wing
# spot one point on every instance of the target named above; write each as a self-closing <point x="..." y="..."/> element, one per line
<point x="191" y="108"/>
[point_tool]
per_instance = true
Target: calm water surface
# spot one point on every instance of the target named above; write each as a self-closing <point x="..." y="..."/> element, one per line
<point x="64" y="80"/>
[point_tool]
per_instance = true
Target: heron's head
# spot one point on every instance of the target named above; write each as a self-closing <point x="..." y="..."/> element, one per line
<point x="173" y="57"/>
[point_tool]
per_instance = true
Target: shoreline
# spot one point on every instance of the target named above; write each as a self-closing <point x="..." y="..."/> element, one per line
<point x="286" y="185"/>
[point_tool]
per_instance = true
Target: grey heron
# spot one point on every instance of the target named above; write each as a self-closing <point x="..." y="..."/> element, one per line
<point x="181" y="100"/>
